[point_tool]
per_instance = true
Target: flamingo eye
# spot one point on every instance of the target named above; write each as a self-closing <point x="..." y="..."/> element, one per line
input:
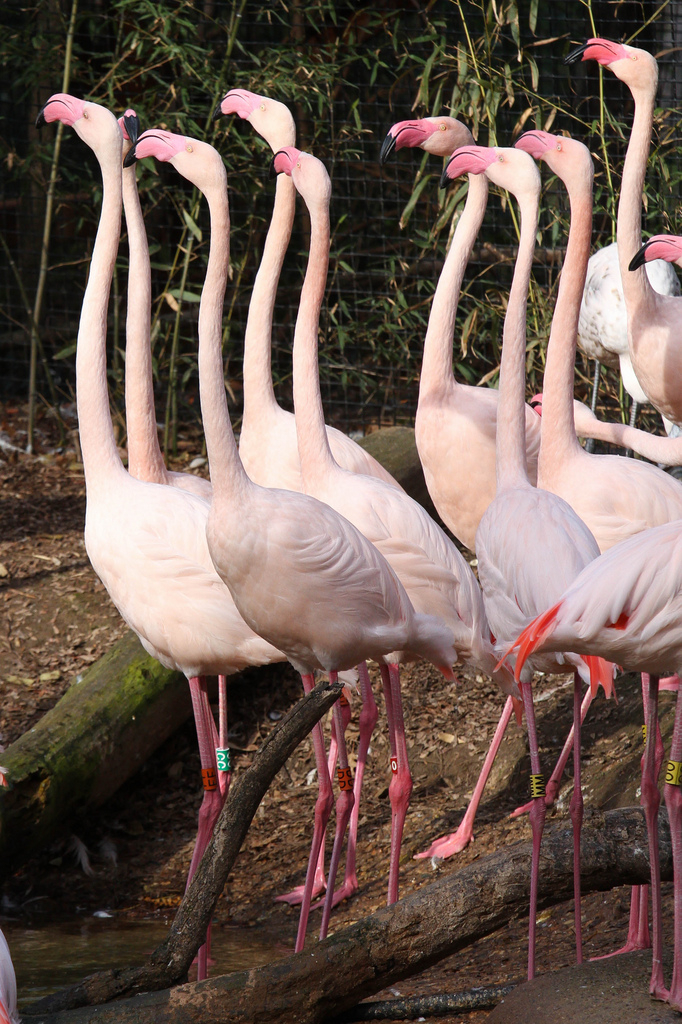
<point x="558" y="146"/>
<point x="441" y="127"/>
<point x="633" y="56"/>
<point x="189" y="149"/>
<point x="262" y="106"/>
<point x="85" y="113"/>
<point x="298" y="163"/>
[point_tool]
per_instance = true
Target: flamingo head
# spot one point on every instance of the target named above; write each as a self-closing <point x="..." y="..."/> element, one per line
<point x="509" y="168"/>
<point x="632" y="65"/>
<point x="196" y="161"/>
<point x="536" y="403"/>
<point x="308" y="174"/>
<point x="438" y="135"/>
<point x="272" y="120"/>
<point x="130" y="129"/>
<point x="566" y="157"/>
<point x="659" y="247"/>
<point x="91" y="121"/>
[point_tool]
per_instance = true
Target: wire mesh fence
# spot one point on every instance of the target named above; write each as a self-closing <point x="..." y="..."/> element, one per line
<point x="347" y="72"/>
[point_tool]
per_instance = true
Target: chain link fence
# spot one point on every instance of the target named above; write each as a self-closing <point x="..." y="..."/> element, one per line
<point x="348" y="71"/>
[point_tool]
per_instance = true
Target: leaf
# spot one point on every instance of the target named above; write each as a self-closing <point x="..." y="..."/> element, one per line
<point x="65" y="352"/>
<point x="177" y="293"/>
<point x="413" y="200"/>
<point x="192" y="225"/>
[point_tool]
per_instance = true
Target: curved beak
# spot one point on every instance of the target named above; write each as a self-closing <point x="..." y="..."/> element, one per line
<point x="639" y="259"/>
<point x="132" y="123"/>
<point x="575" y="55"/>
<point x="130" y="157"/>
<point x="387" y="147"/>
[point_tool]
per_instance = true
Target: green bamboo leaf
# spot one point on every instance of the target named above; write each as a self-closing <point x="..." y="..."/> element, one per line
<point x="414" y="198"/>
<point x="192" y="225"/>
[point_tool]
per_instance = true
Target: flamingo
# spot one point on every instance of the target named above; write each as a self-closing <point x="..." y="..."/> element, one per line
<point x="146" y="541"/>
<point x="456" y="424"/>
<point x="302" y="576"/>
<point x="512" y="568"/>
<point x="603" y="323"/>
<point x="653" y="318"/>
<point x="267" y="442"/>
<point x="8" y="985"/>
<point x="627" y="605"/>
<point x="437" y="579"/>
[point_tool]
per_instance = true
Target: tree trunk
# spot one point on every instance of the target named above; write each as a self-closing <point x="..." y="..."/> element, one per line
<point x="402" y="940"/>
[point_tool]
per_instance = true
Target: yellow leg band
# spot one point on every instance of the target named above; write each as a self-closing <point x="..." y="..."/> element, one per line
<point x="537" y="785"/>
<point x="673" y="775"/>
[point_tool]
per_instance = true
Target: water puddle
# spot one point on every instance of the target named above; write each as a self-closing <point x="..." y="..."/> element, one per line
<point x="51" y="956"/>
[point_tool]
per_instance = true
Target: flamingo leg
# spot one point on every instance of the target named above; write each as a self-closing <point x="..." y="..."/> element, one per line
<point x="366" y="724"/>
<point x="213" y="800"/>
<point x="537" y="822"/>
<point x="323" y="808"/>
<point x="673" y="801"/>
<point x="446" y="846"/>
<point x="400" y="787"/>
<point x="344" y="806"/>
<point x="552" y="789"/>
<point x="222" y="749"/>
<point x="651" y="800"/>
<point x="576" y="811"/>
<point x="295" y="896"/>
<point x="589" y="444"/>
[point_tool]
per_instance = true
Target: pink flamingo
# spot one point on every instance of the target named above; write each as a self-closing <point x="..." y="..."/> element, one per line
<point x="437" y="579"/>
<point x="147" y="542"/>
<point x="300" y="574"/>
<point x="512" y="569"/>
<point x="8" y="986"/>
<point x="456" y="424"/>
<point x="627" y="606"/>
<point x="653" y="319"/>
<point x="267" y="442"/>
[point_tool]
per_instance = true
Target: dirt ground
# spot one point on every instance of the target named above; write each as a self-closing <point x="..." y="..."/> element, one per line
<point x="56" y="619"/>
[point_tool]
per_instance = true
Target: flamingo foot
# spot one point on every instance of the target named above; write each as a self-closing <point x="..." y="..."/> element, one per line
<point x="348" y="888"/>
<point x="447" y="846"/>
<point x="295" y="897"/>
<point x="551" y="793"/>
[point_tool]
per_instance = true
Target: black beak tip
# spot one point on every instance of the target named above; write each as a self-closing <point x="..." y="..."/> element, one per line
<point x="130" y="157"/>
<point x="387" y="147"/>
<point x="575" y="55"/>
<point x="639" y="259"/>
<point x="40" y="120"/>
<point x="217" y="112"/>
<point x="445" y="178"/>
<point x="132" y="123"/>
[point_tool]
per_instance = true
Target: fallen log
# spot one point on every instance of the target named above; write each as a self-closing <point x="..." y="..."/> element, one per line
<point x="399" y="941"/>
<point x="99" y="734"/>
<point x="396" y="449"/>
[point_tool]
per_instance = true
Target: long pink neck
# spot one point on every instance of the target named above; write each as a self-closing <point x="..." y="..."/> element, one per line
<point x="436" y="371"/>
<point x="558" y="438"/>
<point x="100" y="455"/>
<point x="257" y="371"/>
<point x="636" y="286"/>
<point x="227" y="473"/>
<point x="510" y="443"/>
<point x="145" y="461"/>
<point x="313" y="446"/>
<point x="667" y="450"/>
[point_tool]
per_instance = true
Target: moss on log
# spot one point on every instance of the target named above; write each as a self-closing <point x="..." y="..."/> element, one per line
<point x="396" y="449"/>
<point x="101" y="731"/>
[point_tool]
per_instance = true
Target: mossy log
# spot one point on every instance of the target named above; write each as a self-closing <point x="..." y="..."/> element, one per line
<point x="396" y="449"/>
<point x="402" y="940"/>
<point x="99" y="734"/>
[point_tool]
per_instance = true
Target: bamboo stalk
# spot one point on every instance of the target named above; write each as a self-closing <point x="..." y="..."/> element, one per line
<point x="47" y="228"/>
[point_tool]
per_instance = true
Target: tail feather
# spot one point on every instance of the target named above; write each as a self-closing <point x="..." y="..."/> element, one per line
<point x="601" y="671"/>
<point x="532" y="636"/>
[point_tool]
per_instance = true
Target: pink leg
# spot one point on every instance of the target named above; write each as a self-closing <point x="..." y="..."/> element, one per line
<point x="552" y="789"/>
<point x="576" y="811"/>
<point x="537" y="821"/>
<point x="222" y="749"/>
<point x="323" y="808"/>
<point x="651" y="800"/>
<point x="368" y="720"/>
<point x="400" y="788"/>
<point x="213" y="800"/>
<point x="673" y="801"/>
<point x="459" y="840"/>
<point x="295" y="896"/>
<point x="344" y="806"/>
